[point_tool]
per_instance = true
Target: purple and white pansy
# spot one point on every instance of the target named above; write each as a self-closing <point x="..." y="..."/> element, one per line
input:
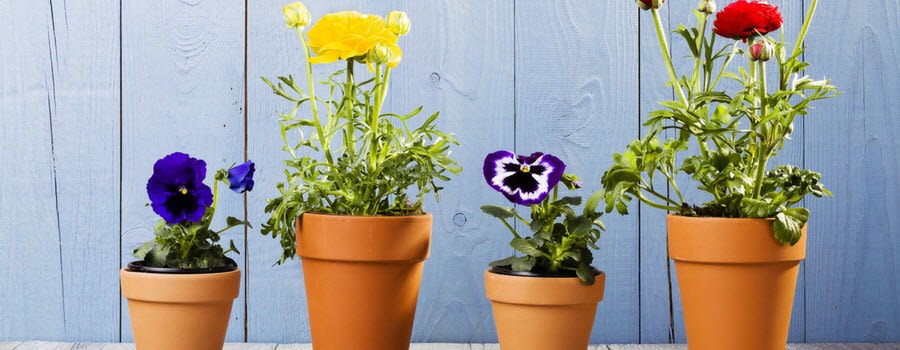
<point x="524" y="180"/>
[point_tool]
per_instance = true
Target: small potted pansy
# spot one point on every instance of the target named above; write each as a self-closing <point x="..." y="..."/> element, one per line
<point x="545" y="296"/>
<point x="181" y="288"/>
<point x="737" y="247"/>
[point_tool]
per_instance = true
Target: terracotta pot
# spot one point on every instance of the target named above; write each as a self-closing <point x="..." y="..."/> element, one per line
<point x="179" y="311"/>
<point x="736" y="281"/>
<point x="543" y="313"/>
<point x="362" y="277"/>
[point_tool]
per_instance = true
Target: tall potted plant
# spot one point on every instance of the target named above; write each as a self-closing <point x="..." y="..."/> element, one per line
<point x="545" y="298"/>
<point x="181" y="288"/>
<point x="345" y="206"/>
<point x="736" y="256"/>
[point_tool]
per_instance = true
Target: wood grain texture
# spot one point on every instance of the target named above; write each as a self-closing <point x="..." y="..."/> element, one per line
<point x="852" y="265"/>
<point x="85" y="102"/>
<point x="575" y="68"/>
<point x="31" y="282"/>
<point x="182" y="90"/>
<point x="572" y="78"/>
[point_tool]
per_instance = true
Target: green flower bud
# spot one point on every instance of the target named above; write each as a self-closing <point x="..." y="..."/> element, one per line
<point x="762" y="50"/>
<point x="707" y="6"/>
<point x="398" y="22"/>
<point x="379" y="54"/>
<point x="296" y="15"/>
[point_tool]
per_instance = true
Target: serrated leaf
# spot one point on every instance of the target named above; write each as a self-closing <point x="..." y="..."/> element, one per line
<point x="523" y="264"/>
<point x="789" y="223"/>
<point x="525" y="246"/>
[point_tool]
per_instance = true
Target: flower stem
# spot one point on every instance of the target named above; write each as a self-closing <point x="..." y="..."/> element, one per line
<point x="664" y="47"/>
<point x="312" y="98"/>
<point x="763" y="147"/>
<point x="806" y="21"/>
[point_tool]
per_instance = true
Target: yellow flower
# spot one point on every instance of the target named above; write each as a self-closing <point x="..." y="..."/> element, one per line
<point x="296" y="15"/>
<point x="350" y="34"/>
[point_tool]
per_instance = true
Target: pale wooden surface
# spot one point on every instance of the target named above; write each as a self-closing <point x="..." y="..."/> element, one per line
<point x="422" y="346"/>
<point x="93" y="91"/>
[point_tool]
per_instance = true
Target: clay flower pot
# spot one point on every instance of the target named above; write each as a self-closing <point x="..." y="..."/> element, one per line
<point x="171" y="311"/>
<point x="362" y="276"/>
<point x="543" y="313"/>
<point x="736" y="281"/>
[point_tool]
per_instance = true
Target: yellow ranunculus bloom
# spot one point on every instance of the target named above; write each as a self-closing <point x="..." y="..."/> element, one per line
<point x="349" y="34"/>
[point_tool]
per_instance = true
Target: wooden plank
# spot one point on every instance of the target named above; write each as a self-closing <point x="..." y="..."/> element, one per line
<point x="246" y="346"/>
<point x="576" y="93"/>
<point x="43" y="345"/>
<point x="852" y="269"/>
<point x="31" y="295"/>
<point x="104" y="346"/>
<point x="655" y="288"/>
<point x="182" y="91"/>
<point x="85" y="98"/>
<point x="648" y="347"/>
<point x="465" y="80"/>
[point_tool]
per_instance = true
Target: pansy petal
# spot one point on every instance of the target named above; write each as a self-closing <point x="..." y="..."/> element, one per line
<point x="523" y="180"/>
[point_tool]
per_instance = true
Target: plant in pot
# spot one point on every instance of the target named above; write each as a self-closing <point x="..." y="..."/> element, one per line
<point x="181" y="288"/>
<point x="736" y="255"/>
<point x="351" y="205"/>
<point x="545" y="298"/>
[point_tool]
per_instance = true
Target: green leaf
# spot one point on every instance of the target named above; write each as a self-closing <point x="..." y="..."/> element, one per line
<point x="789" y="224"/>
<point x="522" y="264"/>
<point x="498" y="211"/>
<point x="755" y="208"/>
<point x="526" y="246"/>
<point x="585" y="273"/>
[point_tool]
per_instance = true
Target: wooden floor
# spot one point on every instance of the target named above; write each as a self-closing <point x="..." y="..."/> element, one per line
<point x="431" y="346"/>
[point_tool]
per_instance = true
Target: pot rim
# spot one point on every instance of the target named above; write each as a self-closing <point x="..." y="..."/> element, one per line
<point x="138" y="266"/>
<point x="505" y="270"/>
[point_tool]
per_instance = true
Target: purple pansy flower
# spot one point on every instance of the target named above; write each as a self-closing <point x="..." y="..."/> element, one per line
<point x="240" y="177"/>
<point x="176" y="188"/>
<point x="523" y="180"/>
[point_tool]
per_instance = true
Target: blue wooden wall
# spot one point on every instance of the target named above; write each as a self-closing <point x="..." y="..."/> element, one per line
<point x="92" y="92"/>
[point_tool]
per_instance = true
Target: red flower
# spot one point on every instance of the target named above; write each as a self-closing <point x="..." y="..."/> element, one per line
<point x="746" y="18"/>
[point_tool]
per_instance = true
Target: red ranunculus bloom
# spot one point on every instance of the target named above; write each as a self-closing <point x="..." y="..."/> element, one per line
<point x="745" y="18"/>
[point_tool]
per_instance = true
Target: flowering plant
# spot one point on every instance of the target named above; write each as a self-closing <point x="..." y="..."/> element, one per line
<point x="735" y="133"/>
<point x="367" y="159"/>
<point x="187" y="206"/>
<point x="551" y="246"/>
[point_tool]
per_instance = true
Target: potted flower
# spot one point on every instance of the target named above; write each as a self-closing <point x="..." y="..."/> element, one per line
<point x="545" y="298"/>
<point x="737" y="255"/>
<point x="181" y="288"/>
<point x="351" y="205"/>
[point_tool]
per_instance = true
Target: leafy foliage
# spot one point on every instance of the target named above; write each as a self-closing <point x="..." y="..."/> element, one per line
<point x="346" y="157"/>
<point x="190" y="244"/>
<point x="559" y="237"/>
<point x="735" y="136"/>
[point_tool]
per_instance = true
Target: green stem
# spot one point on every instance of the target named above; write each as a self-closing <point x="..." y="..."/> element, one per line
<point x="656" y="205"/>
<point x="763" y="147"/>
<point x="806" y="21"/>
<point x="312" y="98"/>
<point x="664" y="47"/>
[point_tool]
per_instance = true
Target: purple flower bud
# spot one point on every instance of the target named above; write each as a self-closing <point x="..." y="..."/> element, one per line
<point x="240" y="177"/>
